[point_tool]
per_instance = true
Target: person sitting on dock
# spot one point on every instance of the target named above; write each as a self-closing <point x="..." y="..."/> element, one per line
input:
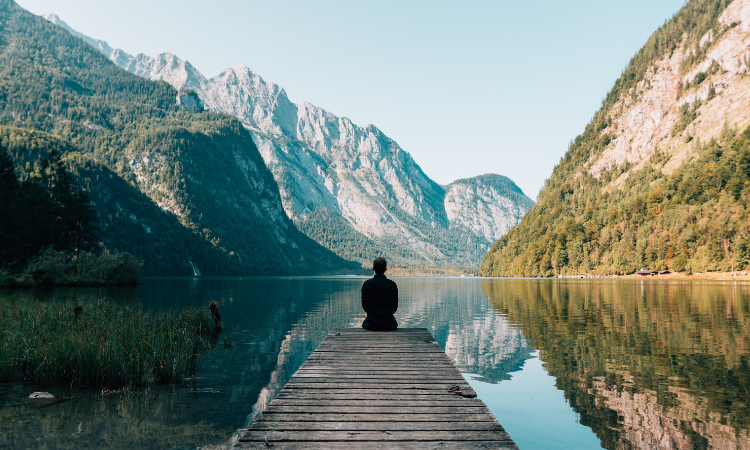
<point x="379" y="299"/>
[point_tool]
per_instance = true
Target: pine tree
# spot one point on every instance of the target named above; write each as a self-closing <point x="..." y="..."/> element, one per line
<point x="9" y="212"/>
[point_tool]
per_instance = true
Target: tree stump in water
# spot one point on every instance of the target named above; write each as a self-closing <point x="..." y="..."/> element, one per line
<point x="214" y="307"/>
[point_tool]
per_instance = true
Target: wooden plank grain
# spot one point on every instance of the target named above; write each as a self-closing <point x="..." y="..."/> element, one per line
<point x="370" y="378"/>
<point x="396" y="435"/>
<point x="366" y="395"/>
<point x="381" y="445"/>
<point x="396" y="403"/>
<point x="344" y="384"/>
<point x="362" y="389"/>
<point x="356" y="393"/>
<point x="352" y="408"/>
<point x="377" y="426"/>
<point x="371" y="417"/>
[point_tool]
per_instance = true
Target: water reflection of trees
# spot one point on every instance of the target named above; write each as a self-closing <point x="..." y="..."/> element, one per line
<point x="155" y="417"/>
<point x="645" y="364"/>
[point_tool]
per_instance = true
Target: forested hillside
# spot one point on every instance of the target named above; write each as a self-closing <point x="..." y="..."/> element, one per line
<point x="660" y="178"/>
<point x="171" y="186"/>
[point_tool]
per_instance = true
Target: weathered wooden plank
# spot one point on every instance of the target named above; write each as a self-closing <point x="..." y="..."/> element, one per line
<point x="403" y="367"/>
<point x="378" y="426"/>
<point x="366" y="374"/>
<point x="356" y="393"/>
<point x="397" y="403"/>
<point x="303" y="436"/>
<point x="380" y="409"/>
<point x="369" y="417"/>
<point x="385" y="345"/>
<point x="374" y="364"/>
<point x="396" y="340"/>
<point x="375" y="355"/>
<point x="361" y="389"/>
<point x="376" y="351"/>
<point x="394" y="363"/>
<point x="376" y="370"/>
<point x="370" y="378"/>
<point x="383" y="362"/>
<point x="367" y="395"/>
<point x="344" y="384"/>
<point x="381" y="445"/>
<point x="366" y="379"/>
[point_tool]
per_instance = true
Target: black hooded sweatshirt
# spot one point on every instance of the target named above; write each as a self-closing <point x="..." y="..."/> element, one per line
<point x="380" y="300"/>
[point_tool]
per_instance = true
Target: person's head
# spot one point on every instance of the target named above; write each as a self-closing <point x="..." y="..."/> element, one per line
<point x="379" y="265"/>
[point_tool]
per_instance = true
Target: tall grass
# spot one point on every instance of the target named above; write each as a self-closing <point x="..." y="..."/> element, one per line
<point x="101" y="344"/>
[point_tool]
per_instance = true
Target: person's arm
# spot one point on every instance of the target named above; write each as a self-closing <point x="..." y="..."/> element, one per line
<point x="364" y="298"/>
<point x="394" y="300"/>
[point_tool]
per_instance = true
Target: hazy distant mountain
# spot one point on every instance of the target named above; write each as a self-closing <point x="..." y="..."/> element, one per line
<point x="351" y="188"/>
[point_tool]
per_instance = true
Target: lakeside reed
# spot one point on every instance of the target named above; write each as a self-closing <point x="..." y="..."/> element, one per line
<point x="97" y="344"/>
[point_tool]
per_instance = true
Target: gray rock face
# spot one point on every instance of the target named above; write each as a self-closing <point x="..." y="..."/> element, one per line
<point x="643" y="121"/>
<point x="320" y="160"/>
<point x="489" y="205"/>
<point x="189" y="100"/>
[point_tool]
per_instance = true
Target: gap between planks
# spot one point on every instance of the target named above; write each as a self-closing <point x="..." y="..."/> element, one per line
<point x="362" y="389"/>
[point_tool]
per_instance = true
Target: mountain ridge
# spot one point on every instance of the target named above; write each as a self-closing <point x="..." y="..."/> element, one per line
<point x="320" y="160"/>
<point x="658" y="179"/>
<point x="231" y="219"/>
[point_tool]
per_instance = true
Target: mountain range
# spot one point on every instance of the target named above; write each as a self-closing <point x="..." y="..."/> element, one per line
<point x="143" y="160"/>
<point x="350" y="188"/>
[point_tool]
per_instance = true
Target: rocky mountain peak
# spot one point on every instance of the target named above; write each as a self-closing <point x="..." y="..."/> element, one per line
<point x="321" y="161"/>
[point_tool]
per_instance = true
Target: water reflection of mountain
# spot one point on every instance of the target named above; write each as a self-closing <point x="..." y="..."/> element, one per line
<point x="646" y="364"/>
<point x="478" y="340"/>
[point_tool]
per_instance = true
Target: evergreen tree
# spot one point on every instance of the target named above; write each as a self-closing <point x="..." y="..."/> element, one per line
<point x="9" y="212"/>
<point x="46" y="210"/>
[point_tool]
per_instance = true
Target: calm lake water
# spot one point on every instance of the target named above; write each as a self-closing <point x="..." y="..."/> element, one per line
<point x="565" y="364"/>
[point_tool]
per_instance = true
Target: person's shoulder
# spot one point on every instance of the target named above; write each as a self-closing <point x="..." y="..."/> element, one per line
<point x="391" y="282"/>
<point x="369" y="281"/>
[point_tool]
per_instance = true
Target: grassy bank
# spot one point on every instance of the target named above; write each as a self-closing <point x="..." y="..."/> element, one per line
<point x="59" y="268"/>
<point x="97" y="344"/>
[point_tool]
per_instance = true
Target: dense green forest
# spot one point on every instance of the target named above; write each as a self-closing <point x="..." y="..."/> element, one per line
<point x="191" y="183"/>
<point x="694" y="219"/>
<point x="49" y="227"/>
<point x="127" y="218"/>
<point x="46" y="209"/>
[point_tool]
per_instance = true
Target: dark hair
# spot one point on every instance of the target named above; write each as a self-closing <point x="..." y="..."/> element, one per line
<point x="379" y="265"/>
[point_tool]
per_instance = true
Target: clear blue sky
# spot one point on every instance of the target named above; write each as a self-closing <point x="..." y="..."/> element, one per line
<point x="467" y="87"/>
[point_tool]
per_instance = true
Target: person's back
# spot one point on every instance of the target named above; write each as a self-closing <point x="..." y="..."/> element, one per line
<point x="380" y="299"/>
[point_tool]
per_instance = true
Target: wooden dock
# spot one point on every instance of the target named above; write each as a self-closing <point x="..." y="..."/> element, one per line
<point x="365" y="389"/>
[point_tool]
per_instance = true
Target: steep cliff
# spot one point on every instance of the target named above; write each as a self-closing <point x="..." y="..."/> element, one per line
<point x="338" y="179"/>
<point x="200" y="168"/>
<point x="659" y="177"/>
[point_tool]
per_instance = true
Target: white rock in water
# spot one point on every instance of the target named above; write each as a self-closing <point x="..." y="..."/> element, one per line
<point x="41" y="395"/>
